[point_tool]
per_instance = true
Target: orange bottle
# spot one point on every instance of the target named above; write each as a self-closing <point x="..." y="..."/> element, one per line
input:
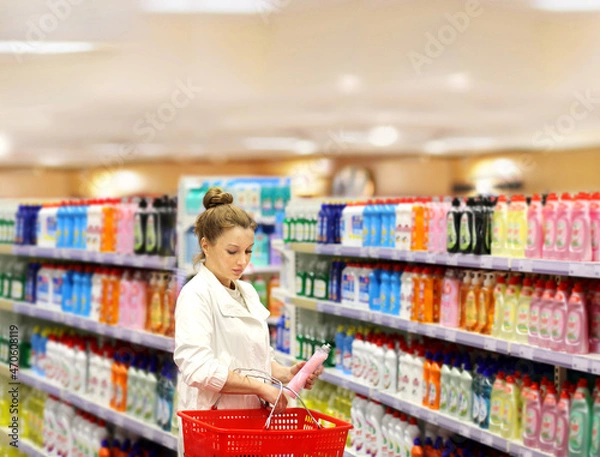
<point x="472" y="302"/>
<point x="106" y="286"/>
<point x="416" y="277"/>
<point x="464" y="290"/>
<point x="105" y="450"/>
<point x="438" y="281"/>
<point x="122" y="369"/>
<point x="485" y="314"/>
<point x="435" y="379"/>
<point x="418" y="229"/>
<point x="155" y="308"/>
<point x="428" y="448"/>
<point x="417" y="449"/>
<point x="169" y="299"/>
<point x="113" y="297"/>
<point x="426" y="296"/>
<point x="114" y="381"/>
<point x="426" y="377"/>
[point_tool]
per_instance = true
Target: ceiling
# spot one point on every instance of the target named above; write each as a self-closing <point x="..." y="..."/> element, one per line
<point x="295" y="76"/>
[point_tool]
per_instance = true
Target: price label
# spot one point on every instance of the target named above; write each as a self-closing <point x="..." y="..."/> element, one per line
<point x="412" y="327"/>
<point x="119" y="420"/>
<point x="411" y="409"/>
<point x="374" y="253"/>
<point x="136" y="337"/>
<point x="581" y="269"/>
<point x="525" y="266"/>
<point x="432" y="418"/>
<point x="139" y="261"/>
<point x="66" y="254"/>
<point x="525" y="352"/>
<point x="486" y="261"/>
<point x="69" y="319"/>
<point x="430" y="331"/>
<point x="86" y="256"/>
<point x="595" y="366"/>
<point x="398" y="404"/>
<point x="118" y="332"/>
<point x="396" y="255"/>
<point x="464" y="431"/>
<point x="597" y="270"/>
<point x="31" y="252"/>
<point x="450" y="335"/>
<point x="410" y="256"/>
<point x="87" y="324"/>
<point x="337" y="310"/>
<point x="487" y="439"/>
<point x="376" y="395"/>
<point x="490" y="344"/>
<point x="364" y="316"/>
<point x="452" y="260"/>
<point x="430" y="257"/>
<point x="337" y="249"/>
<point x="378" y="318"/>
<point x="580" y="364"/>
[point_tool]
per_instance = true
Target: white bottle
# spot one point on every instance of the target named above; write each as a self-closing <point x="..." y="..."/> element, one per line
<point x="359" y="408"/>
<point x="69" y="364"/>
<point x="403" y="372"/>
<point x="465" y="403"/>
<point x="407" y="292"/>
<point x="378" y="365"/>
<point x="399" y="434"/>
<point x="377" y="414"/>
<point x="104" y="378"/>
<point x="132" y="386"/>
<point x="369" y="353"/>
<point x="50" y="426"/>
<point x="358" y="356"/>
<point x="411" y="433"/>
<point x="445" y="382"/>
<point x="97" y="436"/>
<point x="149" y="396"/>
<point x="369" y="428"/>
<point x="386" y="434"/>
<point x="454" y="387"/>
<point x="92" y="384"/>
<point x="80" y="368"/>
<point x="390" y="370"/>
<point x="417" y="380"/>
<point x="96" y="303"/>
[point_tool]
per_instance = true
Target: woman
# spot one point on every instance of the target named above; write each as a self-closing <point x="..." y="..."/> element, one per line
<point x="220" y="324"/>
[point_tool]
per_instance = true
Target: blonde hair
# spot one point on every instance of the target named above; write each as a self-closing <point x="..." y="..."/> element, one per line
<point x="220" y="214"/>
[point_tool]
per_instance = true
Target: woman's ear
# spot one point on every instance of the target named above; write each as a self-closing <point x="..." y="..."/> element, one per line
<point x="204" y="245"/>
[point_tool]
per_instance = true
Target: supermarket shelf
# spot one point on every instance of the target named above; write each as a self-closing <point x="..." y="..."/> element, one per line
<point x="280" y="294"/>
<point x="140" y="337"/>
<point x="465" y="429"/>
<point x="558" y="267"/>
<point x="6" y="248"/>
<point x="585" y="363"/>
<point x="29" y="448"/>
<point x="4" y="439"/>
<point x="106" y="258"/>
<point x="6" y="305"/>
<point x="349" y="453"/>
<point x="285" y="359"/>
<point x="150" y="432"/>
<point x="189" y="270"/>
<point x="187" y="220"/>
<point x="4" y="370"/>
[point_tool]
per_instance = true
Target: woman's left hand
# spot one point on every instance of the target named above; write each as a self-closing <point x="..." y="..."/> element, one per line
<point x="311" y="379"/>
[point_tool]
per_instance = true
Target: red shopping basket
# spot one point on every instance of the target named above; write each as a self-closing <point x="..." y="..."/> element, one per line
<point x="241" y="433"/>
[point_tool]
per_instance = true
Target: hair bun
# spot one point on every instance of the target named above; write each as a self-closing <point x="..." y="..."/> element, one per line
<point x="216" y="197"/>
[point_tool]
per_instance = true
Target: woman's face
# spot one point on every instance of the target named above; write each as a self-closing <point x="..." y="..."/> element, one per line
<point x="230" y="254"/>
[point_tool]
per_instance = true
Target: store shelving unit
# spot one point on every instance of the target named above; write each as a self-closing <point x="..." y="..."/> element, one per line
<point x="104" y="258"/>
<point x="140" y="337"/>
<point x="25" y="446"/>
<point x="557" y="267"/>
<point x="148" y="431"/>
<point x="6" y="248"/>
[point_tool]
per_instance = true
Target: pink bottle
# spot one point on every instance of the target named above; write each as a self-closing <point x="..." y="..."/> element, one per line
<point x="594" y="320"/>
<point x="563" y="227"/>
<point x="450" y="307"/>
<point x="563" y="411"/>
<point x="549" y="213"/>
<point x="545" y="321"/>
<point x="534" y="313"/>
<point x="299" y="380"/>
<point x="559" y="317"/>
<point x="548" y="428"/>
<point x="138" y="301"/>
<point x="535" y="233"/>
<point x="125" y="287"/>
<point x="577" y="336"/>
<point x="580" y="247"/>
<point x="595" y="226"/>
<point x="532" y="417"/>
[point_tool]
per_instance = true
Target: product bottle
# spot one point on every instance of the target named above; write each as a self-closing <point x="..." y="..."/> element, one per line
<point x="511" y="425"/>
<point x="511" y="298"/>
<point x="580" y="422"/>
<point x="466" y="229"/>
<point x="550" y="212"/>
<point x="580" y="246"/>
<point x="534" y="313"/>
<point x="577" y="326"/>
<point x="412" y="432"/>
<point x="464" y="290"/>
<point x="545" y="320"/>
<point x="139" y="228"/>
<point x="549" y="418"/>
<point x="454" y="388"/>
<point x="390" y="374"/>
<point x="426" y="378"/>
<point x="563" y="411"/>
<point x="595" y="433"/>
<point x="497" y="404"/>
<point x="453" y="227"/>
<point x="518" y="207"/>
<point x="450" y="306"/>
<point x="559" y="317"/>
<point x="485" y="314"/>
<point x="563" y="227"/>
<point x="595" y="225"/>
<point x="299" y="380"/>
<point x="485" y="398"/>
<point x="523" y="305"/>
<point x="445" y="380"/>
<point x="532" y="417"/>
<point x="499" y="291"/>
<point x="465" y="399"/>
<point x="535" y="235"/>
<point x="499" y="227"/>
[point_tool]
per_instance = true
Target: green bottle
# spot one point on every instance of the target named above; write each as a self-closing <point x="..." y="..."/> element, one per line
<point x="580" y="421"/>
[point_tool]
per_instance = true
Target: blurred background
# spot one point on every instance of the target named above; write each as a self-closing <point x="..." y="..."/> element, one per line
<point x="386" y="97"/>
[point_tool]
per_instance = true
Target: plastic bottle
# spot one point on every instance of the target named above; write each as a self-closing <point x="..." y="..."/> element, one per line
<point x="534" y="313"/>
<point x="417" y="278"/>
<point x="435" y="380"/>
<point x="497" y="404"/>
<point x="450" y="306"/>
<point x="485" y="397"/>
<point x="499" y="291"/>
<point x="418" y="240"/>
<point x="499" y="227"/>
<point x="532" y="417"/>
<point x="418" y="376"/>
<point x="424" y="394"/>
<point x="465" y="399"/>
<point x="357" y="413"/>
<point x="595" y="432"/>
<point x="453" y="227"/>
<point x="511" y="426"/>
<point x="576" y="326"/>
<point x="559" y="317"/>
<point x="485" y="313"/>
<point x="390" y="373"/>
<point x="385" y="289"/>
<point x="523" y="305"/>
<point x="426" y="292"/>
<point x="454" y="388"/>
<point x="595" y="225"/>
<point x="580" y="421"/>
<point x="518" y="210"/>
<point x="464" y="290"/>
<point x="406" y="293"/>
<point x="549" y="419"/>
<point x="299" y="380"/>
<point x="471" y="304"/>
<point x="580" y="246"/>
<point x="563" y="227"/>
<point x="378" y="363"/>
<point x="535" y="235"/>
<point x="411" y="433"/>
<point x="545" y="319"/>
<point x="550" y="214"/>
<point x="395" y="293"/>
<point x="511" y="298"/>
<point x="466" y="239"/>
<point x="347" y="356"/>
<point x="563" y="412"/>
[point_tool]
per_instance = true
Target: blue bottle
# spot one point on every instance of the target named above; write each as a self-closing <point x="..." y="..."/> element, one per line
<point x="76" y="292"/>
<point x="347" y="355"/>
<point x="322" y="224"/>
<point x="260" y="256"/>
<point x="376" y="223"/>
<point x="385" y="290"/>
<point x="375" y="289"/>
<point x="368" y="223"/>
<point x="338" y="222"/>
<point x="86" y="293"/>
<point x="395" y="284"/>
<point x="70" y="214"/>
<point x="67" y="291"/>
<point x="385" y="223"/>
<point x="340" y="339"/>
<point x="485" y="394"/>
<point x="60" y="226"/>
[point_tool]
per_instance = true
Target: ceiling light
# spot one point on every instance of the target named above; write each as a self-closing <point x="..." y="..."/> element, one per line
<point x="45" y="47"/>
<point x="271" y="143"/>
<point x="349" y="83"/>
<point x="435" y="147"/>
<point x="383" y="135"/>
<point x="566" y="5"/>
<point x="459" y="81"/>
<point x="209" y="6"/>
<point x="5" y="145"/>
<point x="305" y="147"/>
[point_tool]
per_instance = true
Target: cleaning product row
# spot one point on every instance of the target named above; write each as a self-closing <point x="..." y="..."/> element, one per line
<point x="112" y="376"/>
<point x="264" y="289"/>
<point x="312" y="277"/>
<point x="137" y="299"/>
<point x="125" y="226"/>
<point x="14" y="337"/>
<point x="560" y="228"/>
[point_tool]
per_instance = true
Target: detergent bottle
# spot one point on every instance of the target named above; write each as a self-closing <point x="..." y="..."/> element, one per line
<point x="485" y="398"/>
<point x="563" y="412"/>
<point x="497" y="404"/>
<point x="472" y="302"/>
<point x="499" y="227"/>
<point x="445" y="383"/>
<point x="545" y="320"/>
<point x="580" y="421"/>
<point x="577" y="325"/>
<point x="450" y="302"/>
<point x="580" y="247"/>
<point x="518" y="208"/>
<point x="464" y="291"/>
<point x="465" y="241"/>
<point x="511" y="426"/>
<point x="563" y="227"/>
<point x="559" y="317"/>
<point x="595" y="225"/>
<point x="465" y="397"/>
<point x="511" y="298"/>
<point x="549" y="418"/>
<point x="435" y="379"/>
<point x="485" y="314"/>
<point x="532" y="417"/>
<point x="534" y="313"/>
<point x="523" y="305"/>
<point x="550" y="212"/>
<point x="595" y="436"/>
<point x="535" y="234"/>
<point x="426" y="296"/>
<point x="499" y="291"/>
<point x="453" y="227"/>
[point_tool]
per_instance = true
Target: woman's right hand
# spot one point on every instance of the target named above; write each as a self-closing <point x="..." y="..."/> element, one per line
<point x="270" y="393"/>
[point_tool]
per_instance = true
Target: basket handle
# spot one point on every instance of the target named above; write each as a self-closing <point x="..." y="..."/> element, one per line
<point x="259" y="374"/>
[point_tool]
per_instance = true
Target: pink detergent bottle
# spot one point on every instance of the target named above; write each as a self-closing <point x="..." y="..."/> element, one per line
<point x="580" y="247"/>
<point x="577" y="337"/>
<point x="534" y="313"/>
<point x="535" y="233"/>
<point x="594" y="320"/>
<point x="549" y="213"/>
<point x="545" y="320"/>
<point x="563" y="411"/>
<point x="299" y="380"/>
<point x="548" y="428"/>
<point x="532" y="417"/>
<point x="563" y="227"/>
<point x="125" y="312"/>
<point x="595" y="225"/>
<point x="138" y="301"/>
<point x="450" y="307"/>
<point x="559" y="317"/>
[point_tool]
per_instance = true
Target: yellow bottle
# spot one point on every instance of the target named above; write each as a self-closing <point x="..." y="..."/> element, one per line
<point x="485" y="314"/>
<point x="499" y="227"/>
<point x="472" y="302"/>
<point x="499" y="290"/>
<point x="518" y="209"/>
<point x="497" y="404"/>
<point x="511" y="425"/>
<point x="511" y="300"/>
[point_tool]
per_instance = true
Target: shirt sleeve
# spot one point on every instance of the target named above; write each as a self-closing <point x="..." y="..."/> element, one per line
<point x="193" y="352"/>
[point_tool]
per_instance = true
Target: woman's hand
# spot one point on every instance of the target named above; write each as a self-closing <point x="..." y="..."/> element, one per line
<point x="270" y="393"/>
<point x="310" y="382"/>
